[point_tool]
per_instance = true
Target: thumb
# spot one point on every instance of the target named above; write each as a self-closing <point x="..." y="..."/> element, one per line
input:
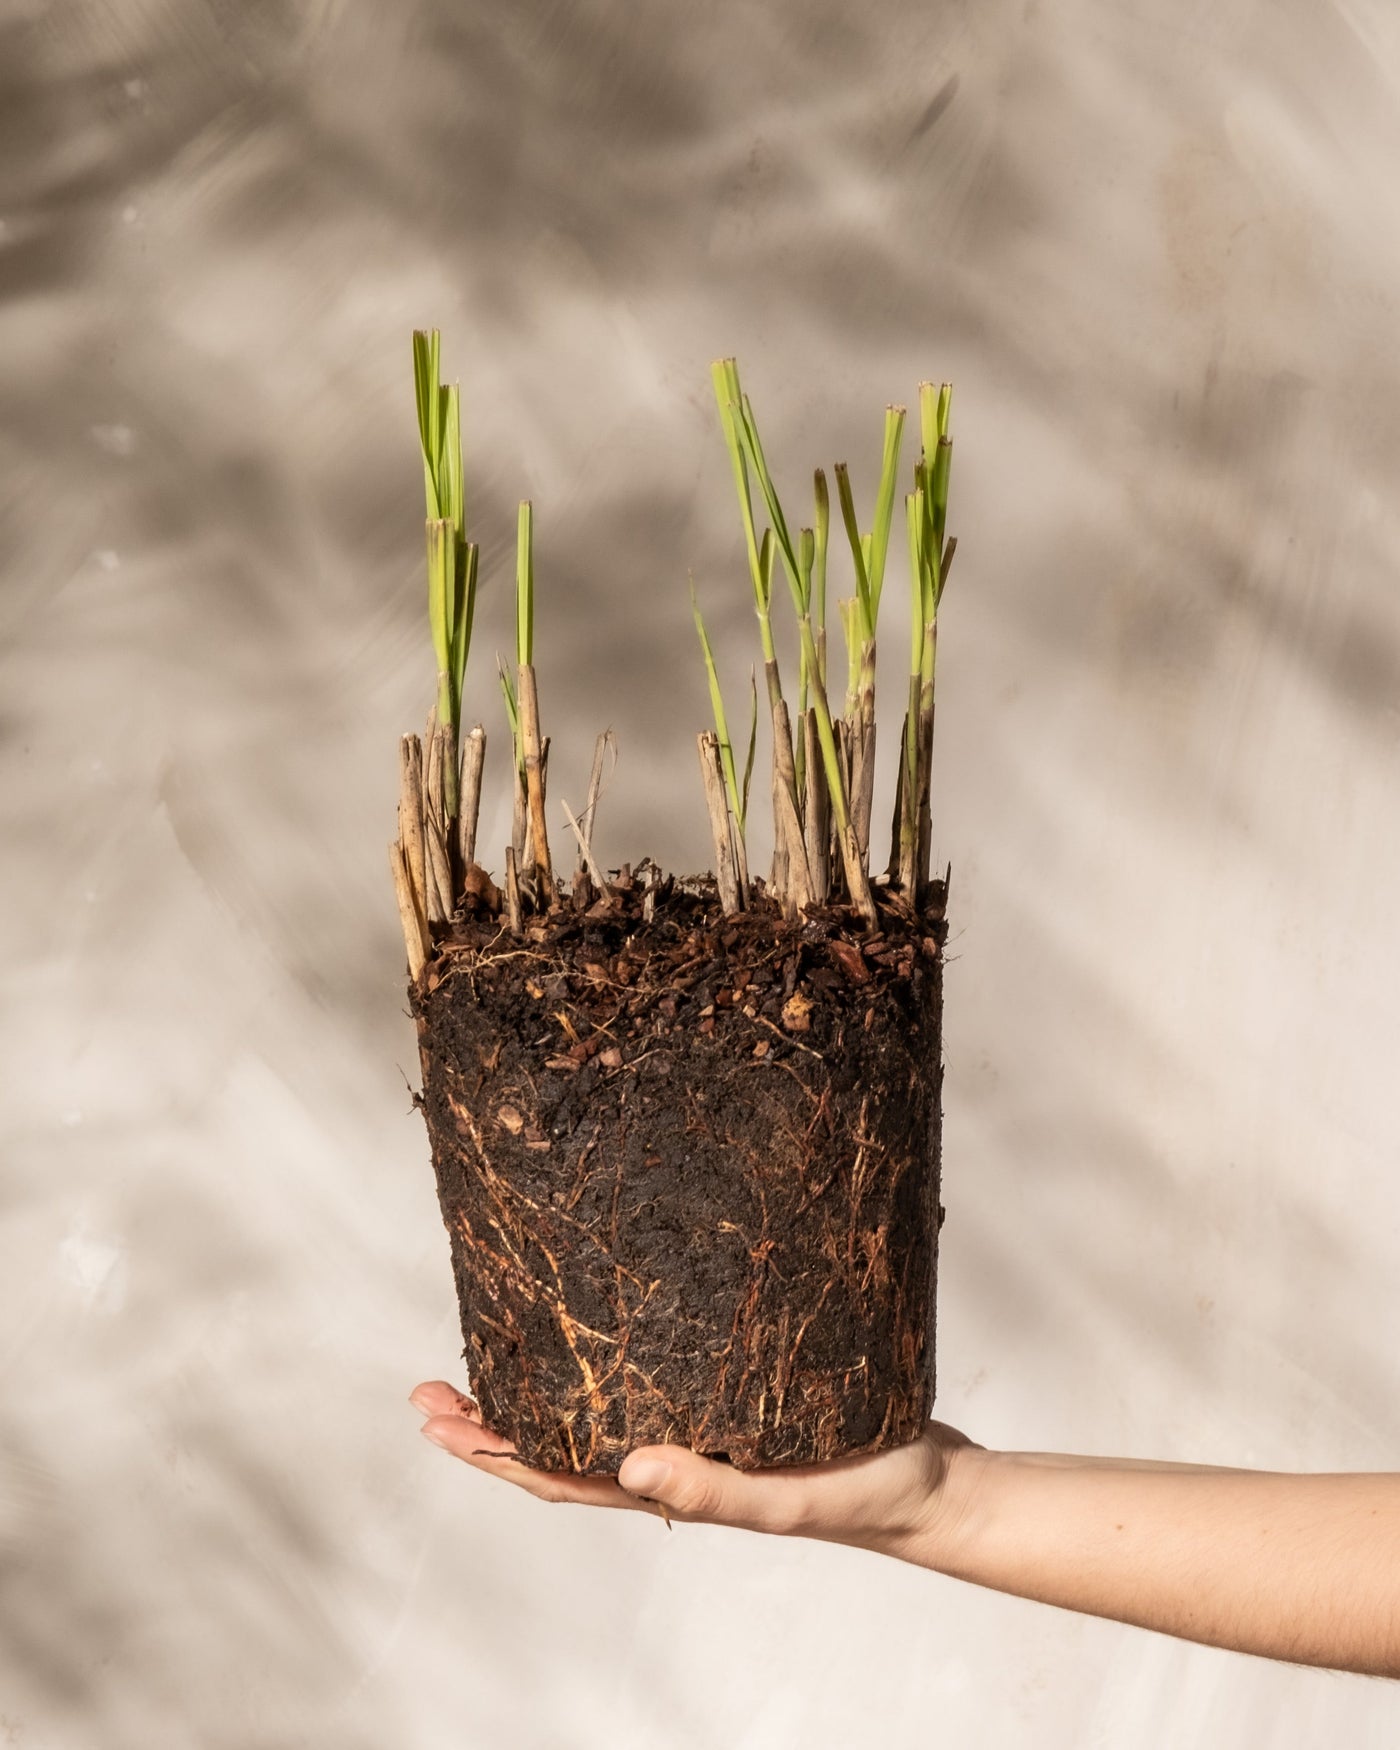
<point x="700" y="1489"/>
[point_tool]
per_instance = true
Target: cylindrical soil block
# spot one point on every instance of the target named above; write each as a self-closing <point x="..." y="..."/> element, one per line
<point x="689" y="1168"/>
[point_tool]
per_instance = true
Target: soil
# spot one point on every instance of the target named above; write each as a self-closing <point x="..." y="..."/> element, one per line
<point x="689" y="1168"/>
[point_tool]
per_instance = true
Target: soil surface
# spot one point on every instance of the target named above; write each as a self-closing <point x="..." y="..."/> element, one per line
<point x="689" y="1168"/>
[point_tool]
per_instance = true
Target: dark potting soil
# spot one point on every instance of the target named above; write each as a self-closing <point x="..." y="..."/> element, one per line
<point x="689" y="1168"/>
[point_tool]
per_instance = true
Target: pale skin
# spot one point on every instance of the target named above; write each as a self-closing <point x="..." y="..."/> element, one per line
<point x="1298" y="1567"/>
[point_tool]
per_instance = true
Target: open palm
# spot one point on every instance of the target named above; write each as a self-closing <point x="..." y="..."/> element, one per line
<point x="877" y="1500"/>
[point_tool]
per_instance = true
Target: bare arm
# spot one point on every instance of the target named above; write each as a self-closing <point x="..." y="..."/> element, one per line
<point x="1305" y="1568"/>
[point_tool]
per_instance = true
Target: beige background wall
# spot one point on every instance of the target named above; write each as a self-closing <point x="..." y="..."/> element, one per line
<point x="1155" y="243"/>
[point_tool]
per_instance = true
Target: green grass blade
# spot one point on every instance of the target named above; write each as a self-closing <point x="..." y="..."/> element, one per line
<point x="857" y="546"/>
<point x="525" y="584"/>
<point x="766" y="560"/>
<point x="442" y="538"/>
<point x="914" y="517"/>
<point x="724" y="375"/>
<point x="451" y="466"/>
<point x="806" y="558"/>
<point x="726" y="748"/>
<point x="826" y="734"/>
<point x="753" y="743"/>
<point x="849" y="609"/>
<point x="879" y="537"/>
<point x="425" y="388"/>
<point x="512" y="711"/>
<point x="942" y="465"/>
<point x="753" y="445"/>
<point x="945" y="407"/>
<point x="465" y="613"/>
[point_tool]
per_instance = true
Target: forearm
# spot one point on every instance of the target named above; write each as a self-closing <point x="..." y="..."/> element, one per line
<point x="1305" y="1568"/>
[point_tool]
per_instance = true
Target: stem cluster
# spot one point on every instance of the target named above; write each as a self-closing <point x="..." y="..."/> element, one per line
<point x="433" y="859"/>
<point x="822" y="775"/>
<point x="823" y="767"/>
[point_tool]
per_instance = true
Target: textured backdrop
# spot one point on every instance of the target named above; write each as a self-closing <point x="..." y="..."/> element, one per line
<point x="1155" y="244"/>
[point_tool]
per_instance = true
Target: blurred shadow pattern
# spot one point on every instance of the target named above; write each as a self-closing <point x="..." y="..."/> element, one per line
<point x="1152" y="244"/>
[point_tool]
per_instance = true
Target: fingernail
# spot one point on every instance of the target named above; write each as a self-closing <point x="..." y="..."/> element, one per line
<point x="416" y="1399"/>
<point x="643" y="1476"/>
<point x="434" y="1434"/>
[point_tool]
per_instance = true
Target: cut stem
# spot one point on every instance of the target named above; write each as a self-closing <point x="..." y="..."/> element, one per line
<point x="411" y="816"/>
<point x="473" y="764"/>
<point x="515" y="911"/>
<point x="414" y="925"/>
<point x="436" y="833"/>
<point x="712" y="777"/>
<point x="527" y="699"/>
<point x="595" y="783"/>
<point x="585" y="850"/>
<point x="797" y="891"/>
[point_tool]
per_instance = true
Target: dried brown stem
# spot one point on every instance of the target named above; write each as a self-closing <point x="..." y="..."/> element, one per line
<point x="585" y="850"/>
<point x="712" y="777"/>
<point x="857" y="876"/>
<point x="595" y="784"/>
<point x="411" y="816"/>
<point x="798" y="891"/>
<point x="528" y="704"/>
<point x="473" y="761"/>
<point x="435" y="835"/>
<point x="415" y="927"/>
<point x="519" y="815"/>
<point x="778" y="869"/>
<point x="741" y="861"/>
<point x="515" y="912"/>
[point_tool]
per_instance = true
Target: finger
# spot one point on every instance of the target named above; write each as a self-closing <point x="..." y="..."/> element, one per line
<point x="486" y="1451"/>
<point x="700" y="1489"/>
<point x="435" y="1397"/>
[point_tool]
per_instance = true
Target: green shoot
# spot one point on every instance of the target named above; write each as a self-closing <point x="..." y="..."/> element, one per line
<point x="862" y="595"/>
<point x="857" y="880"/>
<point x="869" y="551"/>
<point x="942" y="464"/>
<point x="463" y="614"/>
<point x="879" y="537"/>
<point x="512" y="710"/>
<point x="452" y="560"/>
<point x="849" y="609"/>
<point x="737" y="799"/>
<point x="426" y="392"/>
<point x="441" y="565"/>
<point x="724" y="375"/>
<point x="753" y="450"/>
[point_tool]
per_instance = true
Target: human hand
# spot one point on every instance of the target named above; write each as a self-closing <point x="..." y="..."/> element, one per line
<point x="901" y="1501"/>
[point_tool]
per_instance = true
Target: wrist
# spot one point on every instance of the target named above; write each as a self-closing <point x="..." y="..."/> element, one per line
<point x="945" y="1525"/>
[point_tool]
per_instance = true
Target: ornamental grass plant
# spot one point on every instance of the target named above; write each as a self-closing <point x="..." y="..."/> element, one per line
<point x="686" y="1130"/>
